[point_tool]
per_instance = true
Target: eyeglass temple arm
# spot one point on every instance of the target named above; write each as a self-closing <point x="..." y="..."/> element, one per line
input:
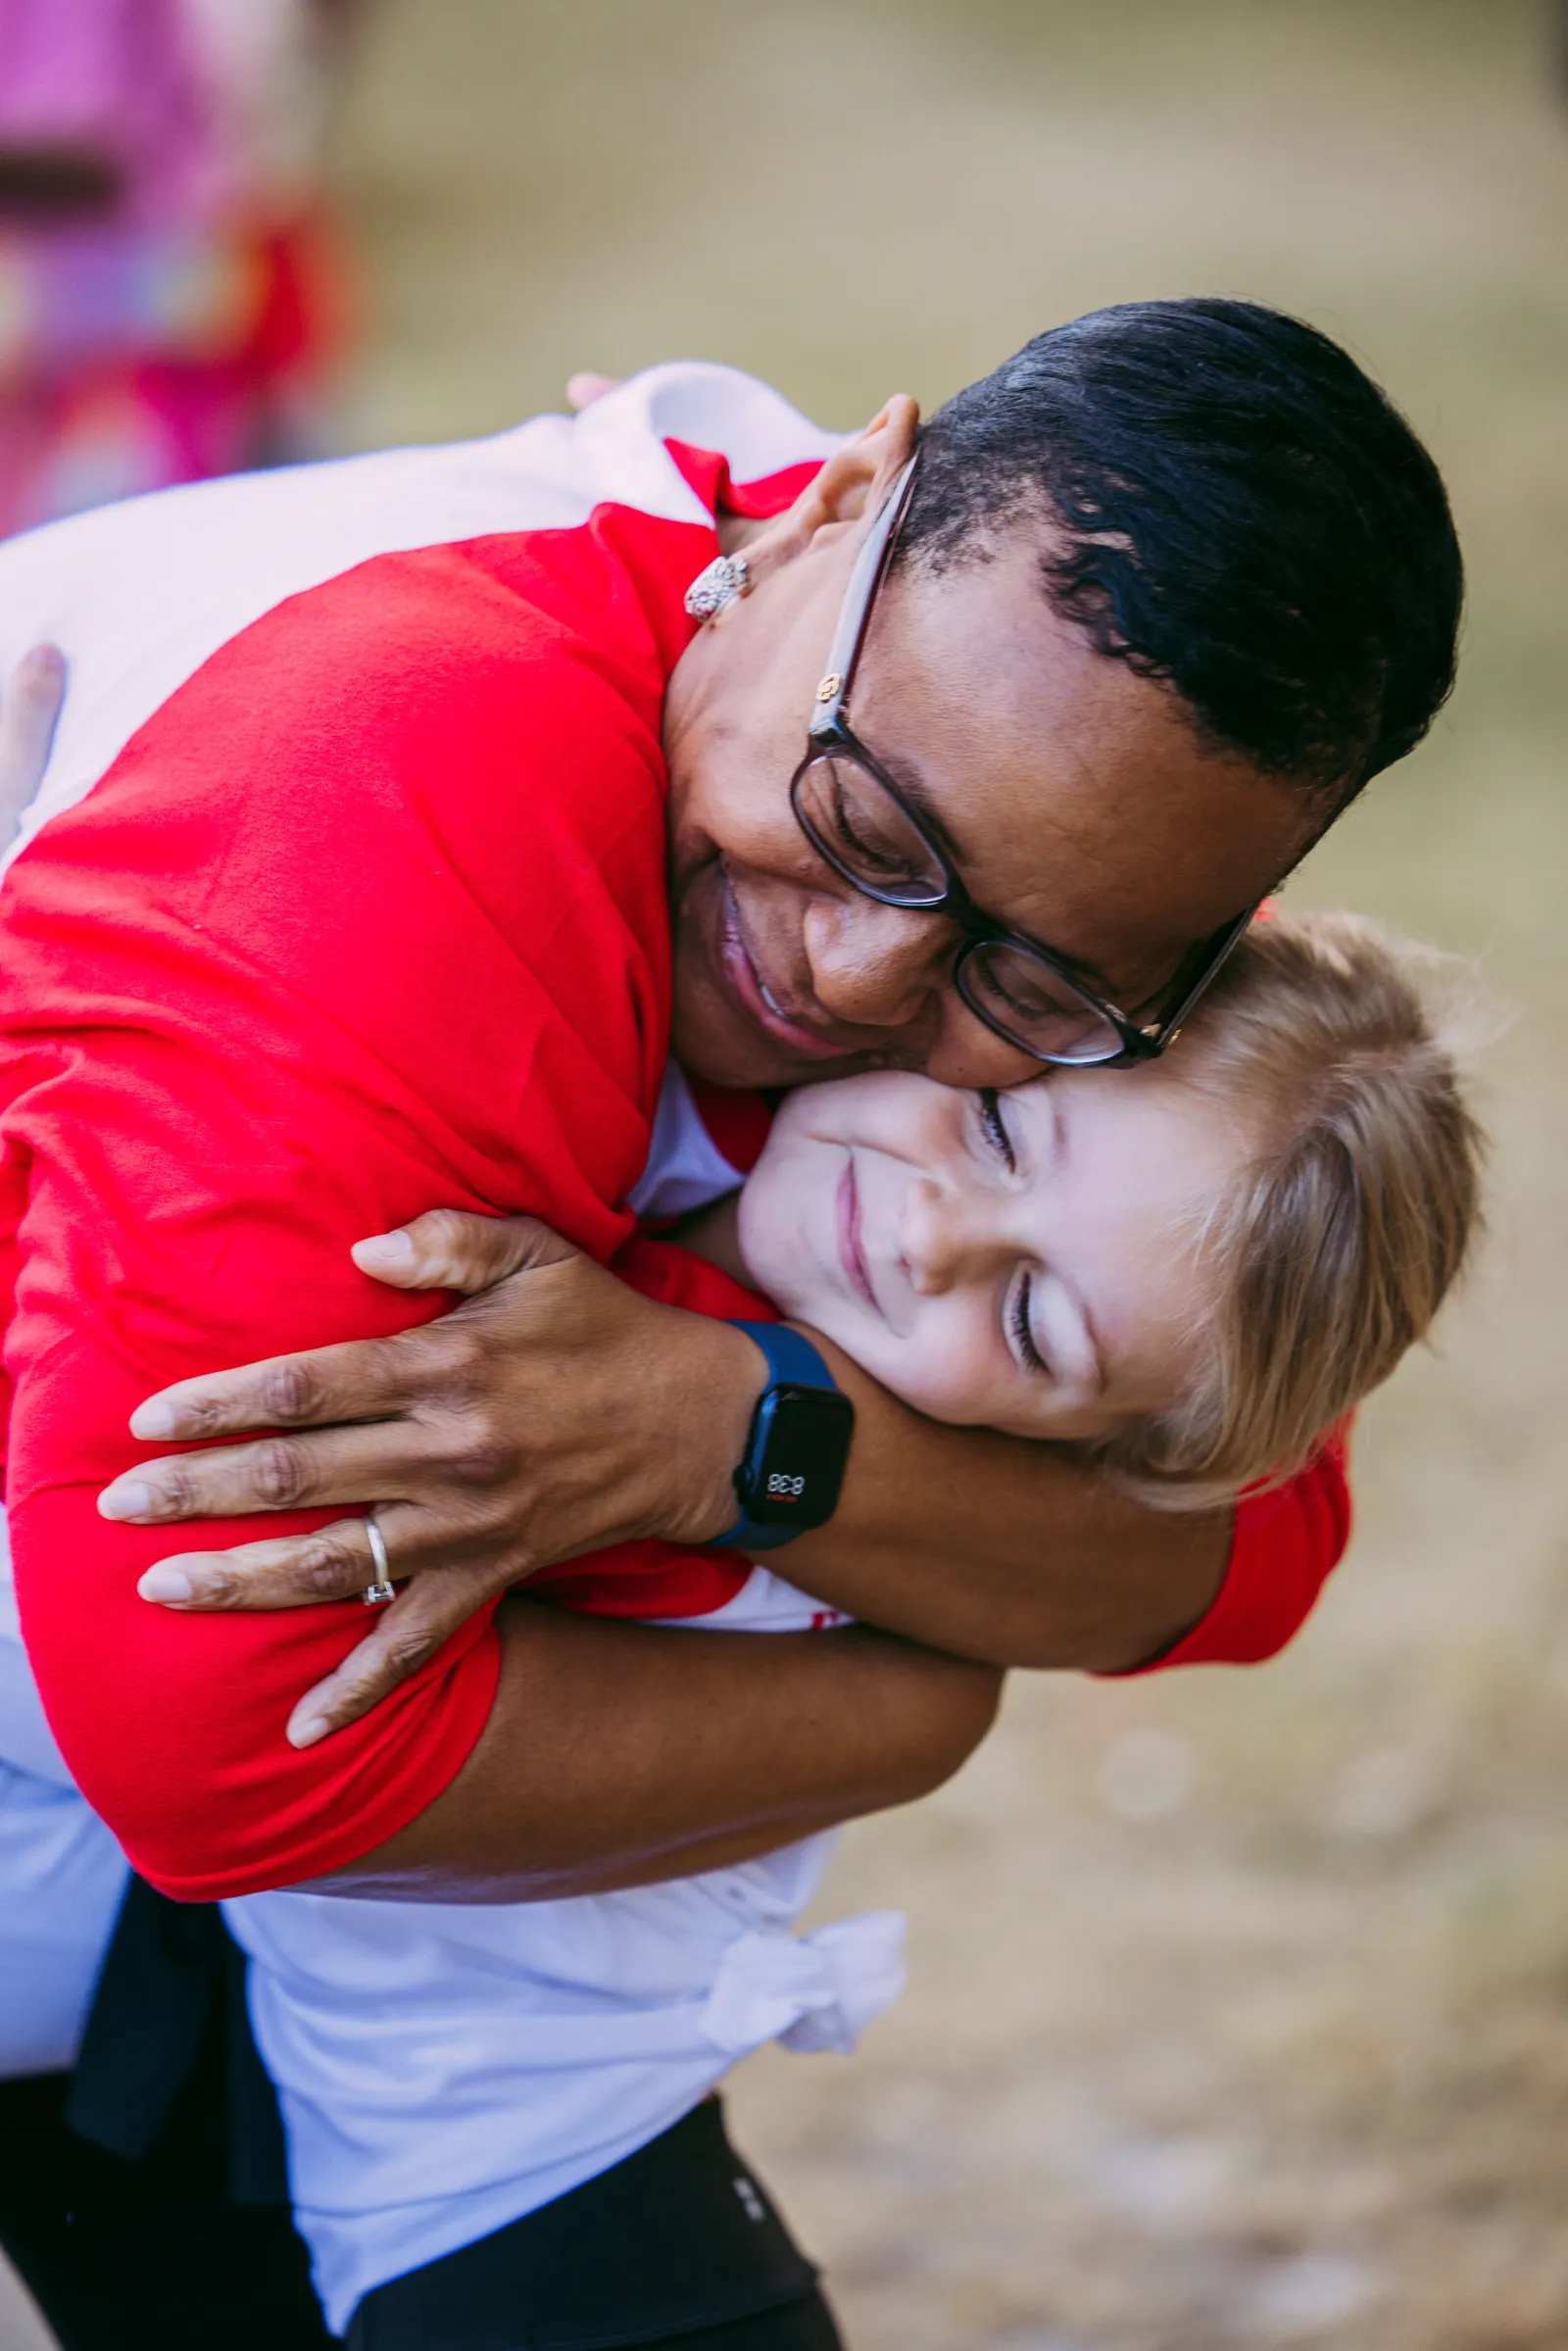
<point x="855" y="612"/>
<point x="1168" y="1030"/>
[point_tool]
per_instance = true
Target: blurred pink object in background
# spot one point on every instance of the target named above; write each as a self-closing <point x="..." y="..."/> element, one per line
<point x="167" y="292"/>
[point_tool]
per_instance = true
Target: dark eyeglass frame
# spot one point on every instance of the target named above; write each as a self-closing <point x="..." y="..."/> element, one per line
<point x="830" y="735"/>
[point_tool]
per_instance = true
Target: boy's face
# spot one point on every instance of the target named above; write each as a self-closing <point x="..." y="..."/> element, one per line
<point x="1029" y="1261"/>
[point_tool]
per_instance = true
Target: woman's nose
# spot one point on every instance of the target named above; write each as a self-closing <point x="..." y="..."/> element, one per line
<point x="884" y="967"/>
<point x="879" y="967"/>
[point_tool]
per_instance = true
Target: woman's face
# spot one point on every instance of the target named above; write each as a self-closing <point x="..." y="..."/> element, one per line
<point x="1026" y="1261"/>
<point x="1078" y="800"/>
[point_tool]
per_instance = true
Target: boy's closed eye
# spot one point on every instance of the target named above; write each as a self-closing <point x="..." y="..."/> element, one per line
<point x="993" y="1126"/>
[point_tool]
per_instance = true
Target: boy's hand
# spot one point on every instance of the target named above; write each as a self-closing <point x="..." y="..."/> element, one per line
<point x="584" y="388"/>
<point x="29" y="710"/>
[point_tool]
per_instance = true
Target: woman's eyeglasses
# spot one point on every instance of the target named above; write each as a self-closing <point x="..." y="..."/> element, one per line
<point x="861" y="825"/>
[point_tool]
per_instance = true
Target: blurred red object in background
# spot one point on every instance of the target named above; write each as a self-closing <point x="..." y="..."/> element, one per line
<point x="171" y="293"/>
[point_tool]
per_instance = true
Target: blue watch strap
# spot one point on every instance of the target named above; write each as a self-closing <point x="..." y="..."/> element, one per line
<point x="791" y="1361"/>
<point x="789" y="1356"/>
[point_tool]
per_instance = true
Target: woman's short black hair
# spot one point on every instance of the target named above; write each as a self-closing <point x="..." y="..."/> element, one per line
<point x="1240" y="511"/>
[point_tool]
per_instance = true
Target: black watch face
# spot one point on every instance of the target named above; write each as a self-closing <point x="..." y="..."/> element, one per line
<point x="795" y="1464"/>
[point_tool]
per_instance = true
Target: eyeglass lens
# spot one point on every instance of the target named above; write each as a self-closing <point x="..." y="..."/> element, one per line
<point x="860" y="828"/>
<point x="1027" y="1001"/>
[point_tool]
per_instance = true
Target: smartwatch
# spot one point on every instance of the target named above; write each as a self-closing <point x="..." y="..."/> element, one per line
<point x="791" y="1471"/>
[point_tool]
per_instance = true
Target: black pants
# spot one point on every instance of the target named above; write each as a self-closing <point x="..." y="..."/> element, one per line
<point x="151" y="2254"/>
<point x="155" y="2255"/>
<point x="143" y="2200"/>
<point x="676" y="2249"/>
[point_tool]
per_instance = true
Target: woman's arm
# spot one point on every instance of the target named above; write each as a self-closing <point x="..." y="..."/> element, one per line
<point x="557" y="1410"/>
<point x="615" y="1754"/>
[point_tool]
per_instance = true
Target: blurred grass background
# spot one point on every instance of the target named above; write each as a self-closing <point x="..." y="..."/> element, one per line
<point x="1240" y="2011"/>
<point x="1240" y="2002"/>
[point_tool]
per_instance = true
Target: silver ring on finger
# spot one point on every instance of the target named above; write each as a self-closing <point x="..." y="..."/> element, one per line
<point x="377" y="1594"/>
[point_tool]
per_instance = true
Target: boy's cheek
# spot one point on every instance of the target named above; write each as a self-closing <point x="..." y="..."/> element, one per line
<point x="935" y="1372"/>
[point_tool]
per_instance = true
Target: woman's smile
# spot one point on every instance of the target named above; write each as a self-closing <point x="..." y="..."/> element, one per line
<point x="748" y="986"/>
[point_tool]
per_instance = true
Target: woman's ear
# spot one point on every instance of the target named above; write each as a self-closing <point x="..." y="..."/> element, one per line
<point x="858" y="477"/>
<point x="848" y="489"/>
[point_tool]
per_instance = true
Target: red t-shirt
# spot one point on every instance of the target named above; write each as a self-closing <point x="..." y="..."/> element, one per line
<point x="238" y="1032"/>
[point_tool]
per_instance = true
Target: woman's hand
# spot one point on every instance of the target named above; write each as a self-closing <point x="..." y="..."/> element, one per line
<point x="553" y="1412"/>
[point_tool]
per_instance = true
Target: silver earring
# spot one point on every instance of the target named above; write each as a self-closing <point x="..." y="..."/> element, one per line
<point x="726" y="577"/>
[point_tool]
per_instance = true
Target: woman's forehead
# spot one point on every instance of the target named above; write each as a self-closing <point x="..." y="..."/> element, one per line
<point x="1077" y="797"/>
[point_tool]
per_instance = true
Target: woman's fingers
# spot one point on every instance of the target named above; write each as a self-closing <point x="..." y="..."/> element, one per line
<point x="333" y="1563"/>
<point x="554" y="1413"/>
<point x="358" y="1380"/>
<point x="337" y="1564"/>
<point x="355" y="1464"/>
<point x="295" y="1571"/>
<point x="405" y="1636"/>
<point x="364" y="1379"/>
<point x="450" y="1250"/>
<point x="29" y="708"/>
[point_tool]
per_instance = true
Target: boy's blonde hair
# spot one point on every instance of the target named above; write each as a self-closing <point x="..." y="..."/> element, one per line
<point x="1336" y="1043"/>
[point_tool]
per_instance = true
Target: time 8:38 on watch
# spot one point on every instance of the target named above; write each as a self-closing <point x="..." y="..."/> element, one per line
<point x="791" y="1472"/>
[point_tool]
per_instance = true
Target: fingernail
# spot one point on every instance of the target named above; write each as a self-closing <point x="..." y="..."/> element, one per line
<point x="165" y="1583"/>
<point x="127" y="1498"/>
<point x="153" y="1420"/>
<point x="383" y="1252"/>
<point x="307" y="1730"/>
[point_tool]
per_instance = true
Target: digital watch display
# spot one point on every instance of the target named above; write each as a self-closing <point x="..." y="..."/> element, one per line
<point x="791" y="1472"/>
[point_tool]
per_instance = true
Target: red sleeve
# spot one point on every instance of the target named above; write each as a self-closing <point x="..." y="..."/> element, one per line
<point x="370" y="918"/>
<point x="1284" y="1545"/>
